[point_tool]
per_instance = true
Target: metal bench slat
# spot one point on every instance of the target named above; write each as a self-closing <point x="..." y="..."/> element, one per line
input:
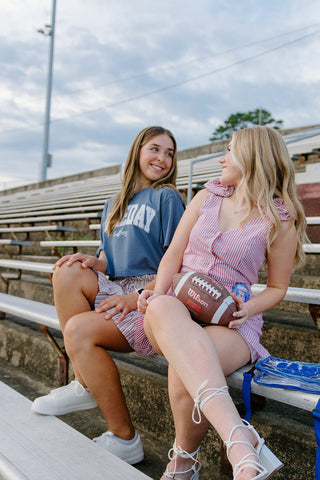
<point x="311" y="248"/>
<point x="70" y="243"/>
<point x="44" y="447"/>
<point x="11" y="241"/>
<point x="23" y="265"/>
<point x="36" y="312"/>
<point x="313" y="220"/>
<point x="294" y="294"/>
<point x="41" y="228"/>
<point x="57" y="211"/>
<point x="53" y="218"/>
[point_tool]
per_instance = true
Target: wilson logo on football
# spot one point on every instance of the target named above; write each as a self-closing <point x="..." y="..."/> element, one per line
<point x="204" y="297"/>
<point x="197" y="297"/>
<point x="194" y="306"/>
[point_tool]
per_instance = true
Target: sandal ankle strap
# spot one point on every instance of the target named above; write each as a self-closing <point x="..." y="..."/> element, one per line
<point x="183" y="453"/>
<point x="199" y="404"/>
<point x="180" y="452"/>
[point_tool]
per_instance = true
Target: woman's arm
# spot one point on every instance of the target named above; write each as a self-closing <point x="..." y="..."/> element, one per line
<point x="172" y="260"/>
<point x="280" y="263"/>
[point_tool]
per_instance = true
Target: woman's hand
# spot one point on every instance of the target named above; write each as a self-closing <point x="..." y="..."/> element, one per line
<point x="242" y="315"/>
<point x="87" y="261"/>
<point x="118" y="303"/>
<point x="145" y="298"/>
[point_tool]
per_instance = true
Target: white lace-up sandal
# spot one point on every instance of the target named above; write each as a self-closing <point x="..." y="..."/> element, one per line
<point x="179" y="452"/>
<point x="261" y="459"/>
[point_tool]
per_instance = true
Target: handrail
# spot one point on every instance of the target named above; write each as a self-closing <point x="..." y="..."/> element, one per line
<point x="196" y="160"/>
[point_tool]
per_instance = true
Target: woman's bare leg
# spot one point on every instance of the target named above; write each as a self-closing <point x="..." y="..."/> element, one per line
<point x="75" y="290"/>
<point x="195" y="357"/>
<point x="188" y="434"/>
<point x="181" y="405"/>
<point x="87" y="336"/>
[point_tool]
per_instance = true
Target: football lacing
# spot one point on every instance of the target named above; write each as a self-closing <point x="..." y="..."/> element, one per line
<point x="206" y="286"/>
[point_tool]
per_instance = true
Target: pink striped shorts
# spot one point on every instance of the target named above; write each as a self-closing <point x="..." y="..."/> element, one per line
<point x="131" y="326"/>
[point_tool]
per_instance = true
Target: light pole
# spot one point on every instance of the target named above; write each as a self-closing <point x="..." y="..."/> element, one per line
<point x="48" y="31"/>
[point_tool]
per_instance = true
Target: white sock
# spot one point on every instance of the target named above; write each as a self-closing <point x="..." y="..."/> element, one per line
<point x="127" y="442"/>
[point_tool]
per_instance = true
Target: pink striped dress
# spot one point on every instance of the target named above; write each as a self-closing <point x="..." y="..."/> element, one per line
<point x="233" y="256"/>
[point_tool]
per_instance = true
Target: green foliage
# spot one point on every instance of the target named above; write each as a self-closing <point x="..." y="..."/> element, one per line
<point x="240" y="120"/>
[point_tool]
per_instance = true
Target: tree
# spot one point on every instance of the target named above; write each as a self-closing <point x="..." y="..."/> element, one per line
<point x="240" y="120"/>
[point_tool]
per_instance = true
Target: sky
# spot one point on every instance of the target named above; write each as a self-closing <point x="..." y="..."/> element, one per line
<point x="122" y="65"/>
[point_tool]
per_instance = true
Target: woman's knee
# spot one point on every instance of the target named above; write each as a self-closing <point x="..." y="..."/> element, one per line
<point x="164" y="308"/>
<point x="66" y="275"/>
<point x="74" y="278"/>
<point x="76" y="334"/>
<point x="153" y="312"/>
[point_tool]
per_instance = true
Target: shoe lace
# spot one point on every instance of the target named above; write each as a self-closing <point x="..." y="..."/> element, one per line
<point x="198" y="404"/>
<point x="176" y="451"/>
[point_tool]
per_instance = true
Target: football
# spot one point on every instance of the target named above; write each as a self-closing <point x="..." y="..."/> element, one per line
<point x="206" y="299"/>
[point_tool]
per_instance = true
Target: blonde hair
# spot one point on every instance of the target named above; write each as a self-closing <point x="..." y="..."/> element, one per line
<point x="130" y="173"/>
<point x="268" y="172"/>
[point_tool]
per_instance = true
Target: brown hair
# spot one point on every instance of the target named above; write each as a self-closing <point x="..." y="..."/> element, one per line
<point x="130" y="171"/>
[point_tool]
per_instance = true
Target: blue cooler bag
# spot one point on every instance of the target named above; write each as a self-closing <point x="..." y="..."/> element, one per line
<point x="281" y="373"/>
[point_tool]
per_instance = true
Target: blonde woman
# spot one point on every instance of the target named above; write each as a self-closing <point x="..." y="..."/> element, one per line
<point x="96" y="297"/>
<point x="229" y="230"/>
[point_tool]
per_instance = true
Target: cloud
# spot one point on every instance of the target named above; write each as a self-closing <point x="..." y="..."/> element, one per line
<point x="122" y="65"/>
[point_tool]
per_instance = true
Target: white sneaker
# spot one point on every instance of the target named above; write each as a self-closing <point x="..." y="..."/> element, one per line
<point x="131" y="451"/>
<point x="69" y="398"/>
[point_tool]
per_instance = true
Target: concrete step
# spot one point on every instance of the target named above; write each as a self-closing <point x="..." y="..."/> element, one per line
<point x="312" y="265"/>
<point x="32" y="286"/>
<point x="67" y="250"/>
<point x="36" y="258"/>
<point x="37" y="250"/>
<point x="298" y="280"/>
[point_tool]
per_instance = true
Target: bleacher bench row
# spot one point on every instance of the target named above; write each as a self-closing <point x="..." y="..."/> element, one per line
<point x="45" y="315"/>
<point x="13" y="462"/>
